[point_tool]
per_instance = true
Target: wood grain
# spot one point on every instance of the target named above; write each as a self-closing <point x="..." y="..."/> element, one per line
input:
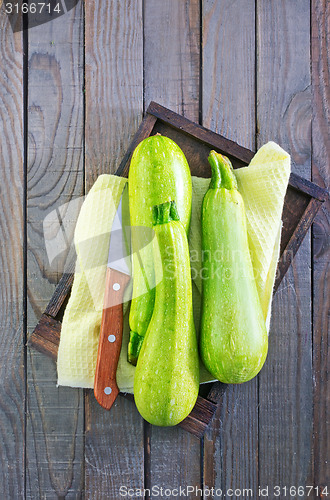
<point x="55" y="420"/>
<point x="284" y="115"/>
<point x="228" y="104"/>
<point x="45" y="338"/>
<point x="228" y="99"/>
<point x="114" y="454"/>
<point x="321" y="250"/>
<point x="12" y="366"/>
<point x="291" y="450"/>
<point x="201" y="415"/>
<point x="171" y="77"/>
<point x="114" y="82"/>
<point x="172" y="55"/>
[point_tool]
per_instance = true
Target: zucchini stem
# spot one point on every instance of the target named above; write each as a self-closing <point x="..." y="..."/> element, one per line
<point x="165" y="212"/>
<point x="222" y="172"/>
<point x="134" y="347"/>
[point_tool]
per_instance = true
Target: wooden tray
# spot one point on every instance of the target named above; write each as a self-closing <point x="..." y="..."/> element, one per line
<point x="303" y="200"/>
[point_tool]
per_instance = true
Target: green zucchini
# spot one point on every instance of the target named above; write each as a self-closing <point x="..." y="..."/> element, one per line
<point x="233" y="340"/>
<point x="166" y="379"/>
<point x="158" y="172"/>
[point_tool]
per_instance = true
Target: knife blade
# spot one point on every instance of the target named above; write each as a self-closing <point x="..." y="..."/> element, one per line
<point x="118" y="275"/>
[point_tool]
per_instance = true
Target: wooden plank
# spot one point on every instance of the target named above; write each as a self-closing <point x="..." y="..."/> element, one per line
<point x="46" y="336"/>
<point x="308" y="187"/>
<point x="228" y="99"/>
<point x="284" y="115"/>
<point x="321" y="252"/>
<point x="198" y="420"/>
<point x="114" y="105"/>
<point x="171" y="77"/>
<point x="55" y="418"/>
<point x="228" y="104"/>
<point x="63" y="289"/>
<point x="12" y="369"/>
<point x="295" y="241"/>
<point x="172" y="55"/>
<point x="114" y="79"/>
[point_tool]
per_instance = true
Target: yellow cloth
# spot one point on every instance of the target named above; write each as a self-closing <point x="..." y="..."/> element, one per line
<point x="77" y="352"/>
<point x="263" y="186"/>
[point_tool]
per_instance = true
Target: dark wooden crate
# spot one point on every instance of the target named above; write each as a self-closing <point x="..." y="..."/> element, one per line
<point x="302" y="201"/>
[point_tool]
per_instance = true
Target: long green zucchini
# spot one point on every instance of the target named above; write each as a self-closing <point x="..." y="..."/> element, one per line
<point x="159" y="172"/>
<point x="166" y="379"/>
<point x="233" y="340"/>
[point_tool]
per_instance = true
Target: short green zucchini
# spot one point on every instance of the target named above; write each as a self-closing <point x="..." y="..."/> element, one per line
<point x="158" y="173"/>
<point x="166" y="379"/>
<point x="233" y="340"/>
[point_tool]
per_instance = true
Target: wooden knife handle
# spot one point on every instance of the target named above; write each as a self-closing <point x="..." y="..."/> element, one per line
<point x="111" y="335"/>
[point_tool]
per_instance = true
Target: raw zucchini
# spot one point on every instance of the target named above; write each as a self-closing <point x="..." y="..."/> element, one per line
<point x="158" y="173"/>
<point x="166" y="379"/>
<point x="233" y="340"/>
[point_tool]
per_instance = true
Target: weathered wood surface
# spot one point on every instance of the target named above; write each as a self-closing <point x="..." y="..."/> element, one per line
<point x="12" y="305"/>
<point x="284" y="115"/>
<point x="198" y="58"/>
<point x="114" y="452"/>
<point x="172" y="55"/>
<point x="228" y="107"/>
<point x="320" y="23"/>
<point x="55" y="176"/>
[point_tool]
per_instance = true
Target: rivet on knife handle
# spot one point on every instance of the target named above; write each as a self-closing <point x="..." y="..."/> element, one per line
<point x="111" y="334"/>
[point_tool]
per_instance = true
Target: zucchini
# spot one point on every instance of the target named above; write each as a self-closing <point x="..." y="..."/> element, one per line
<point x="166" y="379"/>
<point x="233" y="340"/>
<point x="158" y="173"/>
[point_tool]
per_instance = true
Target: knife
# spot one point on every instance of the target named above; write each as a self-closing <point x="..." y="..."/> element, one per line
<point x="118" y="275"/>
